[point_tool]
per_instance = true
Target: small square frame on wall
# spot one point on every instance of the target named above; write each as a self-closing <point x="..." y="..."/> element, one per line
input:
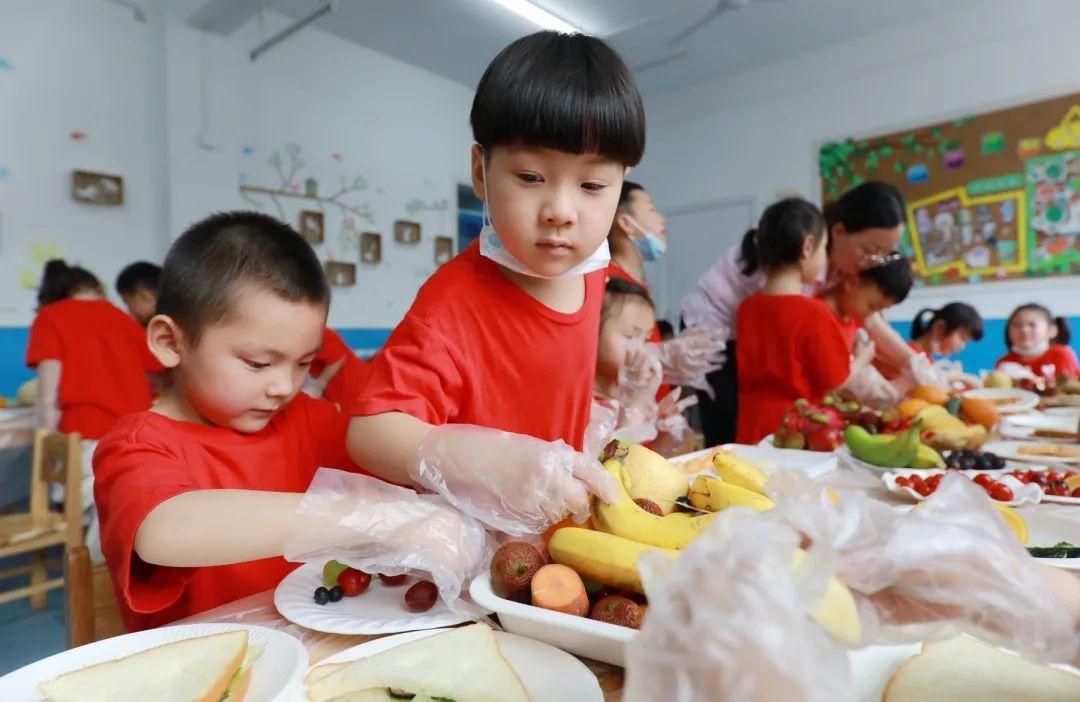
<point x="371" y="248"/>
<point x="444" y="249"/>
<point x="406" y="232"/>
<point x="340" y="273"/>
<point x="312" y="226"/>
<point x="97" y="188"/>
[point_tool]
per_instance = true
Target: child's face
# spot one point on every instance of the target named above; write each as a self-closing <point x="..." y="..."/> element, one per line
<point x="632" y="319"/>
<point x="141" y="304"/>
<point x="551" y="209"/>
<point x="860" y="299"/>
<point x="1030" y="329"/>
<point x="949" y="343"/>
<point x="643" y="210"/>
<point x="248" y="366"/>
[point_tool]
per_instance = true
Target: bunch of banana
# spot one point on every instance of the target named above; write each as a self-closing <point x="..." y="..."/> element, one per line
<point x="948" y="433"/>
<point x="895" y="451"/>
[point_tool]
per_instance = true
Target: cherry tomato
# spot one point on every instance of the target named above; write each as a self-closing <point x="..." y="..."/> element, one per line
<point x="1059" y="488"/>
<point x="1052" y="477"/>
<point x="984" y="480"/>
<point x="1001" y="493"/>
<point x="933" y="481"/>
<point x="924" y="489"/>
<point x="915" y="481"/>
<point x="393" y="580"/>
<point x="1076" y="492"/>
<point x="353" y="581"/>
<point x="421" y="597"/>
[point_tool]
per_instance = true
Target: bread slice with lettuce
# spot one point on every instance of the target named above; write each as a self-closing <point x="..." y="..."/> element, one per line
<point x="458" y="665"/>
<point x="215" y="668"/>
<point x="963" y="669"/>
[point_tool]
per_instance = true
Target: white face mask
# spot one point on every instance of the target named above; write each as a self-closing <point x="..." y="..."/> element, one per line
<point x="491" y="247"/>
<point x="1033" y="351"/>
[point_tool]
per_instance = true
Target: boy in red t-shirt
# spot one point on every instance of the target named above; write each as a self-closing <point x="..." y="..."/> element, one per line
<point x="504" y="336"/>
<point x="199" y="496"/>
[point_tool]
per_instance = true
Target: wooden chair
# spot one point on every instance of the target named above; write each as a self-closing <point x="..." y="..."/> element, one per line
<point x="92" y="611"/>
<point x="57" y="458"/>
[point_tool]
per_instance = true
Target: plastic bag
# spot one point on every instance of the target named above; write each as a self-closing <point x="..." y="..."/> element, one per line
<point x="952" y="566"/>
<point x="731" y="621"/>
<point x="692" y="355"/>
<point x="378" y="527"/>
<point x="512" y="483"/>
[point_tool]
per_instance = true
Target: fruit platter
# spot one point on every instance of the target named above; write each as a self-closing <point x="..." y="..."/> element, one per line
<point x="1005" y="489"/>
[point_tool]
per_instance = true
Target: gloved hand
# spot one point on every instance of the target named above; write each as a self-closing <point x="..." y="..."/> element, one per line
<point x="375" y="526"/>
<point x="639" y="377"/>
<point x="672" y="428"/>
<point x="692" y="355"/>
<point x="513" y="483"/>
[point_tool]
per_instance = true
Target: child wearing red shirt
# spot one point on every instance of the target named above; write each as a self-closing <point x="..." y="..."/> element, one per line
<point x="790" y="346"/>
<point x="504" y="336"/>
<point x="1038" y="340"/>
<point x="339" y="371"/>
<point x="199" y="496"/>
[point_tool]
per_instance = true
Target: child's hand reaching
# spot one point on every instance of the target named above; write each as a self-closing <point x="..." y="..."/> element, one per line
<point x="640" y="375"/>
<point x="864" y="351"/>
<point x="692" y="355"/>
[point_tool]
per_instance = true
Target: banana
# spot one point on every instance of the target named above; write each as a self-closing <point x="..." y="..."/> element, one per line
<point x="603" y="558"/>
<point x="626" y="519"/>
<point x="927" y="457"/>
<point x="711" y="493"/>
<point x="885" y="451"/>
<point x="646" y="474"/>
<point x="837" y="612"/>
<point x="738" y="472"/>
<point x="1015" y="522"/>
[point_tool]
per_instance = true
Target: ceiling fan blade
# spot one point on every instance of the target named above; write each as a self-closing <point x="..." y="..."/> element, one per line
<point x="720" y="8"/>
<point x="657" y="62"/>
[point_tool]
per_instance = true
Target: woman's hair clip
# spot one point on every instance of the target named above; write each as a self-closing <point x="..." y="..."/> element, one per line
<point x="876" y="260"/>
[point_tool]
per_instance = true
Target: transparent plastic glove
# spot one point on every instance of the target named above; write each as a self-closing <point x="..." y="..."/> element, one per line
<point x="640" y="376"/>
<point x="375" y="526"/>
<point x="692" y="355"/>
<point x="731" y="621"/>
<point x="672" y="422"/>
<point x="603" y="418"/>
<point x="513" y="483"/>
<point x="316" y="387"/>
<point x="869" y="387"/>
<point x="952" y="566"/>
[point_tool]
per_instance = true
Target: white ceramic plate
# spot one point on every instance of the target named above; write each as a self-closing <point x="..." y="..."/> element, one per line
<point x="1050" y="529"/>
<point x="1073" y="412"/>
<point x="1019" y="400"/>
<point x="278" y="675"/>
<point x="1024" y="426"/>
<point x="549" y="675"/>
<point x="769" y="459"/>
<point x="1010" y="450"/>
<point x="379" y="610"/>
<point x="1022" y="494"/>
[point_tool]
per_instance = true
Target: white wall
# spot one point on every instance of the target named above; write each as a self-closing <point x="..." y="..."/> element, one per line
<point x="403" y="129"/>
<point x="88" y="67"/>
<point x="757" y="133"/>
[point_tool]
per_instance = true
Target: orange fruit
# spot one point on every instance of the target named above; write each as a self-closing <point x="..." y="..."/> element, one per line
<point x="930" y="393"/>
<point x="979" y="412"/>
<point x="910" y="407"/>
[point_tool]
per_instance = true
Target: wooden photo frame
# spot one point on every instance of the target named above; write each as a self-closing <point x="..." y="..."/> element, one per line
<point x="371" y="248"/>
<point x="312" y="226"/>
<point x="406" y="232"/>
<point x="340" y="273"/>
<point x="97" y="188"/>
<point x="444" y="249"/>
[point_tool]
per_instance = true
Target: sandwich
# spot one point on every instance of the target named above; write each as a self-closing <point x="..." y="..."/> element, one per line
<point x="458" y="665"/>
<point x="215" y="668"/>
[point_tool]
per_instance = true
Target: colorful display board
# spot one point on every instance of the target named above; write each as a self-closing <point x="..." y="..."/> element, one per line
<point x="989" y="196"/>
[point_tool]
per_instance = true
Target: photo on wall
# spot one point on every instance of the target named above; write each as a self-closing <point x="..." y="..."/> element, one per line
<point x="406" y="232"/>
<point x="97" y="188"/>
<point x="444" y="249"/>
<point x="312" y="227"/>
<point x="371" y="248"/>
<point x="340" y="273"/>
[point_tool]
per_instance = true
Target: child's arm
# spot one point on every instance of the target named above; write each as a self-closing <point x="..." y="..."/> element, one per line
<point x="890" y="346"/>
<point x="388" y="444"/>
<point x="48" y="387"/>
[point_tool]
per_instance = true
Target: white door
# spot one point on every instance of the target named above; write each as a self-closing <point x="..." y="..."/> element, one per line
<point x="696" y="237"/>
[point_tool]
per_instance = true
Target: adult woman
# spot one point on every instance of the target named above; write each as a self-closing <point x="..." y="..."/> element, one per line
<point x="866" y="221"/>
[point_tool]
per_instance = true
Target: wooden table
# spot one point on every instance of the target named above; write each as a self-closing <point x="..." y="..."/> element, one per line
<point x="259" y="610"/>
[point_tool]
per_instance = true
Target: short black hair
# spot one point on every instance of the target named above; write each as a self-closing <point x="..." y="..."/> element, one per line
<point x="618" y="292"/>
<point x="893" y="277"/>
<point x="141" y="274"/>
<point x="216" y="256"/>
<point x="780" y="233"/>
<point x="569" y="92"/>
<point x="870" y="205"/>
<point x="955" y="315"/>
<point x="629" y="187"/>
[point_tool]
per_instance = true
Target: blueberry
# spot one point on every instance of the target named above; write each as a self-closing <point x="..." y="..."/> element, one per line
<point x="322" y="595"/>
<point x="336" y="593"/>
<point x="983" y="463"/>
<point x="967" y="463"/>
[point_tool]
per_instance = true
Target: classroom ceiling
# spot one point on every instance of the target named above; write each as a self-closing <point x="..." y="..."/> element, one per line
<point x="456" y="38"/>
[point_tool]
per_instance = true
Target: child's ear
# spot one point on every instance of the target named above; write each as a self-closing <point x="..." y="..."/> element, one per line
<point x="163" y="337"/>
<point x="622" y="220"/>
<point x="477" y="168"/>
<point x="809" y="246"/>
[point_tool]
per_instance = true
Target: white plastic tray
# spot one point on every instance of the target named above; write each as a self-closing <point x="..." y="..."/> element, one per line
<point x="578" y="635"/>
<point x="813" y="463"/>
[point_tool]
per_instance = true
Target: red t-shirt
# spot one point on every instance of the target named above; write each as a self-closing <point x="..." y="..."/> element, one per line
<point x="790" y="346"/>
<point x="345" y="386"/>
<point x="476" y="349"/>
<point x="1061" y="357"/>
<point x="104" y="360"/>
<point x="148" y="458"/>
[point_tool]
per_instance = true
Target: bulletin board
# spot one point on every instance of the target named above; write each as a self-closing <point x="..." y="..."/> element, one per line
<point x="989" y="196"/>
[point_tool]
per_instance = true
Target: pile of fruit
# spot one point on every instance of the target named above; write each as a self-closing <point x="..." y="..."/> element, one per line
<point x="595" y="570"/>
<point x="997" y="490"/>
<point x="340" y="581"/>
<point x="811" y="427"/>
<point x="1045" y="384"/>
<point x="974" y="460"/>
<point x="1056" y="483"/>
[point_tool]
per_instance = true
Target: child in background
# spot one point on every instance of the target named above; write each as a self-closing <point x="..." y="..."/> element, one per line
<point x="199" y="496"/>
<point x="945" y="331"/>
<point x="790" y="345"/>
<point x="1039" y="341"/>
<point x="882" y="281"/>
<point x="92" y="364"/>
<point x="483" y="392"/>
<point x="137" y="285"/>
<point x="337" y="372"/>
